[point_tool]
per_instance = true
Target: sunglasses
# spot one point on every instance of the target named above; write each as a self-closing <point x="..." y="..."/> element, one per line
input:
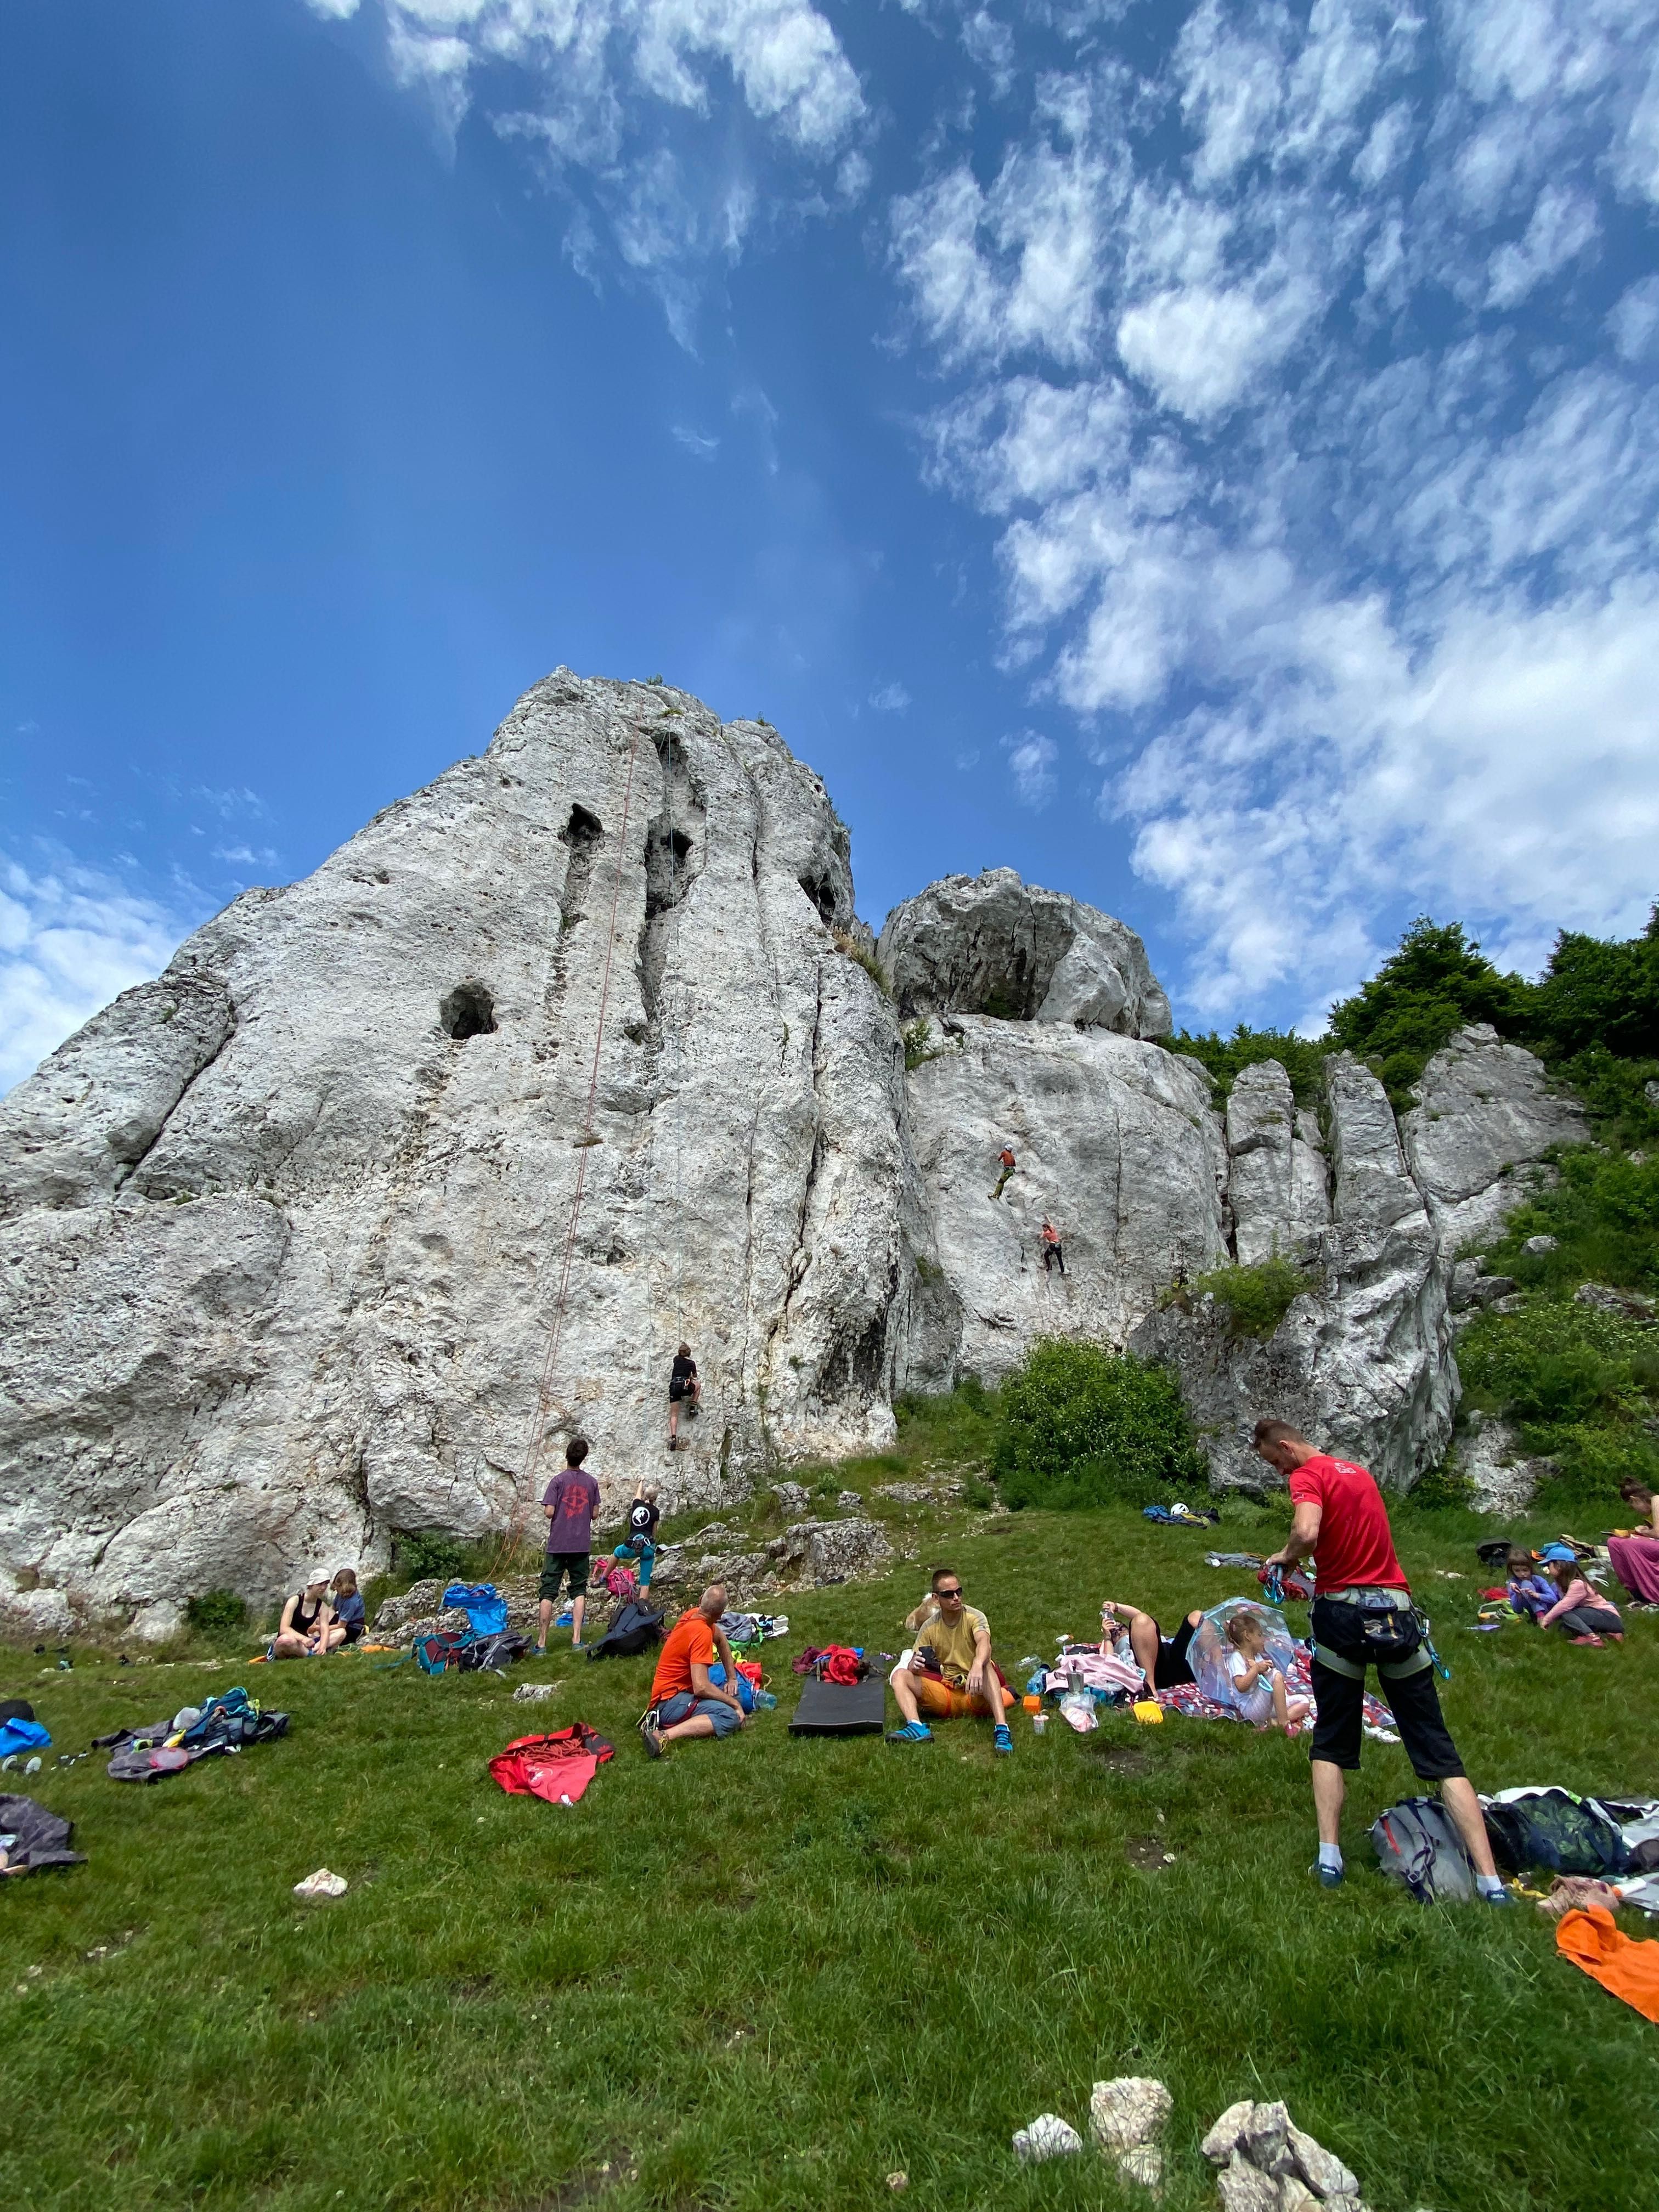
<point x="945" y="1596"/>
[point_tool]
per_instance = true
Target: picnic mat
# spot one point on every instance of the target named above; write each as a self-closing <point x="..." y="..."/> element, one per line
<point x="840" y="1707"/>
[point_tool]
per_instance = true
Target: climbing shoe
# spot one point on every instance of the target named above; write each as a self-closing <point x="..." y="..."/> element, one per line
<point x="912" y="1732"/>
<point x="1001" y="1741"/>
<point x="650" y="1739"/>
<point x="1496" y="1897"/>
<point x="1330" y="1877"/>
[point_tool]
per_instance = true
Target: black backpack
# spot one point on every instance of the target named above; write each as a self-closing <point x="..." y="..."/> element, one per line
<point x="1554" y="1830"/>
<point x="633" y="1628"/>
<point x="495" y="1654"/>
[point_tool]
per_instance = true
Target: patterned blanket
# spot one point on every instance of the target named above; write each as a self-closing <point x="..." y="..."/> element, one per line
<point x="1187" y="1697"/>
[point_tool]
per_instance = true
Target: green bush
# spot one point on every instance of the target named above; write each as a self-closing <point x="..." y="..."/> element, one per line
<point x="216" y="1613"/>
<point x="419" y="1555"/>
<point x="1257" y="1297"/>
<point x="1434" y="983"/>
<point x="1079" y="1425"/>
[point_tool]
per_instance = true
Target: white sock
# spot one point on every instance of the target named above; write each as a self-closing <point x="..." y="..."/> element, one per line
<point x="1330" y="1854"/>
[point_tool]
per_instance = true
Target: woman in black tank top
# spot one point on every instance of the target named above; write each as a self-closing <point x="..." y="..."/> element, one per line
<point x="304" y="1619"/>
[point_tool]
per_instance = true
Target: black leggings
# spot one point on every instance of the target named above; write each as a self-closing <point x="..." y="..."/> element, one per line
<point x="1052" y="1257"/>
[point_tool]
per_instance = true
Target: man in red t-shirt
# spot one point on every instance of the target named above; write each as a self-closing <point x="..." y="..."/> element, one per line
<point x="1363" y="1616"/>
<point x="685" y="1699"/>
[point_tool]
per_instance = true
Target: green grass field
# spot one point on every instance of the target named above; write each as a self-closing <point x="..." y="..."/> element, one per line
<point x="767" y="1973"/>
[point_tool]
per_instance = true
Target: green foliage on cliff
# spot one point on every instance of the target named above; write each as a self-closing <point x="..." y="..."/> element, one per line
<point x="1079" y="1425"/>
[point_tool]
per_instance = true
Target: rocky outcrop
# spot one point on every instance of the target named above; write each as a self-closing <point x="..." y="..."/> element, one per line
<point x="287" y="1235"/>
<point x="1364" y="1359"/>
<point x="992" y="944"/>
<point x="1485" y="1109"/>
<point x="399" y="1175"/>
<point x="1115" y="1140"/>
<point x="1277" y="1177"/>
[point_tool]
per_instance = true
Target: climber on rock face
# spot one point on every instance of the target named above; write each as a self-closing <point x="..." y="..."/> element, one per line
<point x="1054" y="1253"/>
<point x="684" y="1389"/>
<point x="1006" y="1164"/>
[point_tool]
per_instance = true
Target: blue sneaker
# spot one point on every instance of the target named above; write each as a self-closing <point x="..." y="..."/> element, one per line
<point x="1330" y="1877"/>
<point x="1001" y="1741"/>
<point x="1497" y="1897"/>
<point x="912" y="1732"/>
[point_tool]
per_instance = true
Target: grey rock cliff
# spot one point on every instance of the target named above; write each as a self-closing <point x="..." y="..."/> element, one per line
<point x="284" y="1233"/>
<point x="311" y="1240"/>
<point x="993" y="945"/>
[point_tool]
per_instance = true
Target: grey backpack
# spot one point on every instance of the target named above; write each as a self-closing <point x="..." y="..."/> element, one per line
<point x="1418" y="1843"/>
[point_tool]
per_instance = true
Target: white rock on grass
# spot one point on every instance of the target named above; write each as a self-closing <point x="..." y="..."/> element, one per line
<point x="1242" y="2188"/>
<point x="1143" y="2165"/>
<point x="1047" y="2136"/>
<point x="1322" y="2170"/>
<point x="1226" y="2136"/>
<point x="1130" y="2110"/>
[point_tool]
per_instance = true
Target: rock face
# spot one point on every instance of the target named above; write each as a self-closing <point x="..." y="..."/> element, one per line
<point x="399" y="1176"/>
<point x="286" y="1231"/>
<point x="1486" y="1109"/>
<point x="1113" y="1139"/>
<point x="992" y="944"/>
<point x="1363" y="1359"/>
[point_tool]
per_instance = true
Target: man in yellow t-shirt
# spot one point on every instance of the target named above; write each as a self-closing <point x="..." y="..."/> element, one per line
<point x="950" y="1671"/>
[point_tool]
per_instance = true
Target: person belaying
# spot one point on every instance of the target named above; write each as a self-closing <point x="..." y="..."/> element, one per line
<point x="684" y="1389"/>
<point x="1053" y="1253"/>
<point x="1005" y="1161"/>
<point x="570" y="1501"/>
<point x="1363" y="1615"/>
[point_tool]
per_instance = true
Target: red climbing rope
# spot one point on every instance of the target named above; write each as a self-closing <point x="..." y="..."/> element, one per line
<point x="585" y="1143"/>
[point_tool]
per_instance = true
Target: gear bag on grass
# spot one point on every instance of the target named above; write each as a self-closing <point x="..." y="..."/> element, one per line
<point x="442" y="1650"/>
<point x="493" y="1654"/>
<point x="633" y="1628"/>
<point x="484" y="1607"/>
<point x="1417" y="1842"/>
<point x="1553" y="1829"/>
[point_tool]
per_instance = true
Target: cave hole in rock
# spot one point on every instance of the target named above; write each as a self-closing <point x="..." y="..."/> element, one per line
<point x="822" y="892"/>
<point x="468" y="1011"/>
<point x="582" y="832"/>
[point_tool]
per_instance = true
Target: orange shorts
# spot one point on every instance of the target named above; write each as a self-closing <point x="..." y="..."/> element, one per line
<point x="940" y="1702"/>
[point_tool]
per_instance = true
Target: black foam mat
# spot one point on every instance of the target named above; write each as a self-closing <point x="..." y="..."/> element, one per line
<point x="840" y="1707"/>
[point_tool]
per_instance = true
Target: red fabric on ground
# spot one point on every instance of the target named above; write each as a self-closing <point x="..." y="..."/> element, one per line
<point x="552" y="1766"/>
<point x="1629" y="1968"/>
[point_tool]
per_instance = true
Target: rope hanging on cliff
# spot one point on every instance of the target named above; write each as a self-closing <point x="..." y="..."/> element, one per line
<point x="584" y="1143"/>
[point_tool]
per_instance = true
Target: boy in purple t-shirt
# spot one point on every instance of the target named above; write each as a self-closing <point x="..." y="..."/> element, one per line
<point x="571" y="1500"/>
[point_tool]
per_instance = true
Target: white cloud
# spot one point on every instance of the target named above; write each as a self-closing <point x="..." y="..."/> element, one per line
<point x="1031" y="763"/>
<point x="701" y="448"/>
<point x="890" y="699"/>
<point x="1563" y="224"/>
<point x="1318" y="499"/>
<point x="1200" y="349"/>
<point x="71" y="939"/>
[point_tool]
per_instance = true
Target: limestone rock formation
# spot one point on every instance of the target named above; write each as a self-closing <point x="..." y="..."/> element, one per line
<point x="992" y="944"/>
<point x="399" y="1176"/>
<point x="286" y="1233"/>
<point x="1485" y="1109"/>
<point x="1115" y="1139"/>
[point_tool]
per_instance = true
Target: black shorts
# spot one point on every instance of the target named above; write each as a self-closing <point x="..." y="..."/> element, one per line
<point x="1412" y="1700"/>
<point x="1172" y="1668"/>
<point x="354" y="1629"/>
<point x="560" y="1566"/>
<point x="681" y="1387"/>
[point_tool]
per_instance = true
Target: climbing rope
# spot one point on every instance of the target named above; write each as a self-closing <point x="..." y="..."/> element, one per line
<point x="585" y="1144"/>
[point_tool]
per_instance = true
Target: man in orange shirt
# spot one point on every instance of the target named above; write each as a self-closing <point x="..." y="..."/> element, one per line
<point x="684" y="1700"/>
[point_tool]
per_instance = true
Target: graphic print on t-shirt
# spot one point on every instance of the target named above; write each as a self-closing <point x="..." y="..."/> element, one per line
<point x="575" y="1497"/>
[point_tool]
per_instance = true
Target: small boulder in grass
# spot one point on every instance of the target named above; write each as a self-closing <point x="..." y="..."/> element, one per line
<point x="321" y="1884"/>
<point x="1268" y="2164"/>
<point x="1047" y="2136"/>
<point x="1128" y="2112"/>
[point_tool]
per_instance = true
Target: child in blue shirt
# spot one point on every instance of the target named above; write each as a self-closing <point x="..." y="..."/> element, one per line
<point x="1527" y="1591"/>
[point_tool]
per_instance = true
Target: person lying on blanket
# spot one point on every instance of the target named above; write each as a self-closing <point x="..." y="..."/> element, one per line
<point x="950" y="1671"/>
<point x="1163" y="1659"/>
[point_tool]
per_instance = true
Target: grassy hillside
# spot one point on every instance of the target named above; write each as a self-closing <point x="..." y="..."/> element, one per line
<point x="764" y="1975"/>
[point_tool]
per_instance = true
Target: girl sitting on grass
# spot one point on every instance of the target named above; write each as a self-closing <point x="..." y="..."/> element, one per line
<point x="1530" y="1588"/>
<point x="1579" y="1609"/>
<point x="1258" y="1687"/>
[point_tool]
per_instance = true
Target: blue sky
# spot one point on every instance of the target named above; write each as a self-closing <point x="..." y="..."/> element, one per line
<point x="1204" y="456"/>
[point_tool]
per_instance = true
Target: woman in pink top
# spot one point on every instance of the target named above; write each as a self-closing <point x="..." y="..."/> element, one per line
<point x="1581" y="1610"/>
